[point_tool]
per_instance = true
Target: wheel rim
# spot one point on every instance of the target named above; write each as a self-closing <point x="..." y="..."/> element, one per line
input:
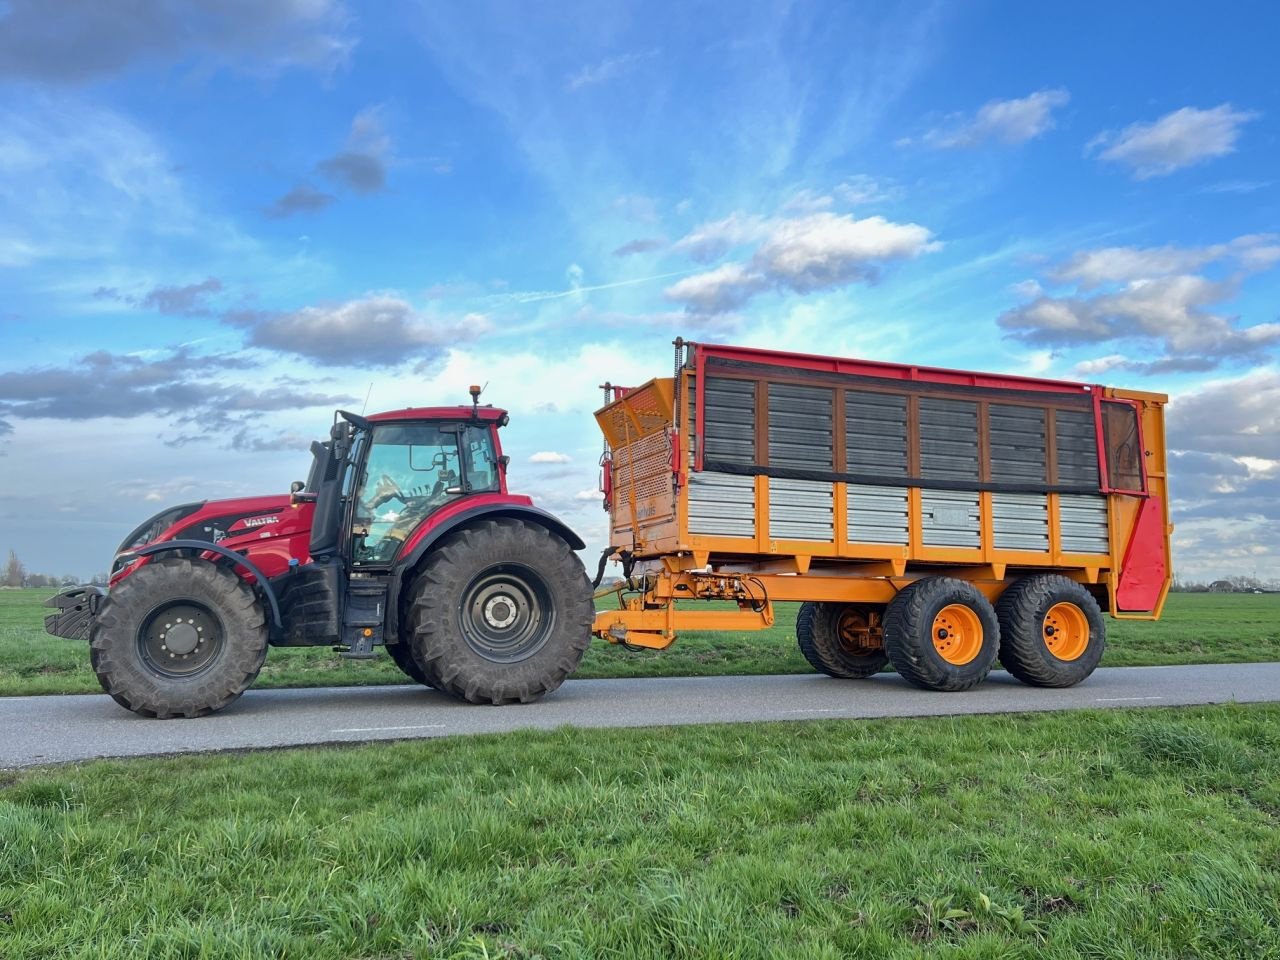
<point x="1066" y="631"/>
<point x="957" y="634"/>
<point x="507" y="614"/>
<point x="859" y="632"/>
<point x="180" y="639"/>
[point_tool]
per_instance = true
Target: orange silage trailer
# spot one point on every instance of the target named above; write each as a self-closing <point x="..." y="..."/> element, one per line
<point x="936" y="519"/>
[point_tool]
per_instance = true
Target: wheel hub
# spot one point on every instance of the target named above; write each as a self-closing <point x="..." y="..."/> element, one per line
<point x="957" y="634"/>
<point x="501" y="611"/>
<point x="181" y="638"/>
<point x="507" y="613"/>
<point x="1066" y="631"/>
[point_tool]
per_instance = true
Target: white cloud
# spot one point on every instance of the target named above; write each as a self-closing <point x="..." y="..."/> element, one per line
<point x="1004" y="121"/>
<point x="827" y="250"/>
<point x="816" y="251"/>
<point x="1150" y="295"/>
<point x="725" y="288"/>
<point x="1179" y="139"/>
<point x="376" y="329"/>
<point x="1240" y="417"/>
<point x="550" y="456"/>
<point x="710" y="241"/>
<point x="589" y="495"/>
<point x="1091" y="368"/>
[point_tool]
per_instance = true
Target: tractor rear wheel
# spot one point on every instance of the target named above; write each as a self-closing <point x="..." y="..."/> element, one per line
<point x="1052" y="633"/>
<point x="941" y="634"/>
<point x="501" y="612"/>
<point x="842" y="640"/>
<point x="178" y="638"/>
<point x="402" y="656"/>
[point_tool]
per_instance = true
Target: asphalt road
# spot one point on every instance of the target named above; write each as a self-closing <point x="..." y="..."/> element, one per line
<point x="56" y="729"/>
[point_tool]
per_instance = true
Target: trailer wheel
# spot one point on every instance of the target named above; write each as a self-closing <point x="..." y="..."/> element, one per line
<point x="501" y="612"/>
<point x="1052" y="632"/>
<point x="178" y="638"/>
<point x="402" y="656"/>
<point x="840" y="639"/>
<point x="941" y="634"/>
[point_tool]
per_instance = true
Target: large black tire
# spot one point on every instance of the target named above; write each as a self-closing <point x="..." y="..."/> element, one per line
<point x="933" y="642"/>
<point x="178" y="638"/>
<point x="825" y="634"/>
<point x="501" y="612"/>
<point x="1052" y="632"/>
<point x="402" y="656"/>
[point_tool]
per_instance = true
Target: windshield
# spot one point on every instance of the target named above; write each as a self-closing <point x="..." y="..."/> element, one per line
<point x="412" y="470"/>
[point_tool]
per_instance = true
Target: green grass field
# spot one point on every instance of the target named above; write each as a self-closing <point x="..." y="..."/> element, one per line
<point x="1118" y="834"/>
<point x="1197" y="628"/>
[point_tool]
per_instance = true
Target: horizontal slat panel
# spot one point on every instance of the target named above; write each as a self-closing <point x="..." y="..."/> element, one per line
<point x="948" y="439"/>
<point x="801" y="510"/>
<point x="1020" y="521"/>
<point x="875" y="433"/>
<point x="800" y="427"/>
<point x="950" y="518"/>
<point x="876" y="514"/>
<point x="1018" y="449"/>
<point x="1076" y="446"/>
<point x="729" y="420"/>
<point x="1083" y="523"/>
<point x="722" y="505"/>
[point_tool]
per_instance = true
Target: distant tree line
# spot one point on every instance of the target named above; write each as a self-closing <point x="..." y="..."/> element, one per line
<point x="16" y="575"/>
<point x="1236" y="584"/>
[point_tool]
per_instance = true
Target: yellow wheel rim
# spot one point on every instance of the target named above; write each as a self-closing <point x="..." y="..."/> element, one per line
<point x="957" y="634"/>
<point x="1066" y="631"/>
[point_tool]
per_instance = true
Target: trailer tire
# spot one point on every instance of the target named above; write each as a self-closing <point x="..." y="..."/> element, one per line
<point x="941" y="634"/>
<point x="210" y="659"/>
<point x="402" y="656"/>
<point x="1052" y="632"/>
<point x="500" y="612"/>
<point x="829" y="648"/>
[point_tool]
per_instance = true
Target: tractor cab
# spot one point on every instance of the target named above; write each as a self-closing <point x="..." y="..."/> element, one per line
<point x="379" y="478"/>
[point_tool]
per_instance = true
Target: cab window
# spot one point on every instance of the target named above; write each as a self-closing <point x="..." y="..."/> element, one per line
<point x="411" y="471"/>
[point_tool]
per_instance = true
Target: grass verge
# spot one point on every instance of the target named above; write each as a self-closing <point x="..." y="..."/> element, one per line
<point x="1111" y="834"/>
<point x="1196" y="628"/>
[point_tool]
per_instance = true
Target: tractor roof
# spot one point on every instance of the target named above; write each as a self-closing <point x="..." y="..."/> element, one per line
<point x="485" y="413"/>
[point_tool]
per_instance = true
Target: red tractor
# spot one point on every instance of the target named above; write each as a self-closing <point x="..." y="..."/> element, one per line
<point x="404" y="537"/>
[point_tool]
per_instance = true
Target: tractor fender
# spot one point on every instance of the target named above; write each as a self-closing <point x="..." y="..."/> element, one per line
<point x="237" y="559"/>
<point x="492" y="511"/>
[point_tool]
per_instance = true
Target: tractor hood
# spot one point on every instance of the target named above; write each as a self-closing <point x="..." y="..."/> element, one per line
<point x="218" y="520"/>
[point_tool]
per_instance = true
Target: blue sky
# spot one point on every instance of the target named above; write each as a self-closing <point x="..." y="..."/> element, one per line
<point x="218" y="220"/>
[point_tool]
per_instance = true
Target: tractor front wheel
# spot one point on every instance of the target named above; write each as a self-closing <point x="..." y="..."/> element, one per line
<point x="501" y="612"/>
<point x="178" y="638"/>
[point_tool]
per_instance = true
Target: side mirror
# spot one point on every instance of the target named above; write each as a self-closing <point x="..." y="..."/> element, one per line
<point x="503" y="461"/>
<point x="297" y="487"/>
